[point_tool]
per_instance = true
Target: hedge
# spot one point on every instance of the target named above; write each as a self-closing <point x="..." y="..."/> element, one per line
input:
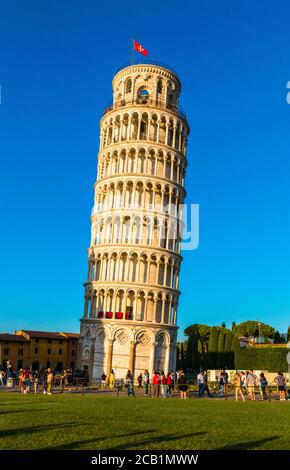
<point x="271" y="359"/>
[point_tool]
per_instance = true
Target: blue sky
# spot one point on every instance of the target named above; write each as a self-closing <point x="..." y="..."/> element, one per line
<point x="57" y="64"/>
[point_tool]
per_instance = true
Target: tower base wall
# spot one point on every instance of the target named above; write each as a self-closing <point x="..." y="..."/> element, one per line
<point x="127" y="346"/>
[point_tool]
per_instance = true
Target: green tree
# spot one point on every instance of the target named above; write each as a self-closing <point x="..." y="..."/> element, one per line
<point x="233" y="325"/>
<point x="251" y="328"/>
<point x="221" y="342"/>
<point x="228" y="341"/>
<point x="235" y="344"/>
<point x="223" y="325"/>
<point x="182" y="355"/>
<point x="212" y="348"/>
<point x="192" y="355"/>
<point x="277" y="337"/>
<point x="288" y="334"/>
<point x="202" y="332"/>
<point x="221" y="349"/>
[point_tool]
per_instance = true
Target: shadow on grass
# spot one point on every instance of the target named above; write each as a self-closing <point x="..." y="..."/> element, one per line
<point x="21" y="411"/>
<point x="157" y="440"/>
<point x="32" y="429"/>
<point x="248" y="445"/>
<point x="77" y="444"/>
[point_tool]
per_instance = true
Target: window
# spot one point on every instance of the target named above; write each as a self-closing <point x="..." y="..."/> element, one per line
<point x="73" y="352"/>
<point x="37" y="340"/>
<point x="20" y="352"/>
<point x="6" y="351"/>
<point x="49" y="341"/>
<point x="35" y="350"/>
<point x="143" y="95"/>
<point x="159" y="86"/>
<point x="60" y="341"/>
<point x="19" y="364"/>
<point x="60" y="352"/>
<point x="48" y="351"/>
<point x="128" y="86"/>
<point x="48" y="364"/>
<point x="73" y="343"/>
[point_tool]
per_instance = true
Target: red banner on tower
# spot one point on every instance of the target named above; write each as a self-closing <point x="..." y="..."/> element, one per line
<point x="140" y="48"/>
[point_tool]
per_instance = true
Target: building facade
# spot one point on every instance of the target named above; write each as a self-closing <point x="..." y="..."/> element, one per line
<point x="14" y="350"/>
<point x="131" y="292"/>
<point x="39" y="349"/>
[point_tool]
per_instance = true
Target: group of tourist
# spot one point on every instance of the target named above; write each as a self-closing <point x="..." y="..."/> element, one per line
<point x="160" y="384"/>
<point x="246" y="382"/>
<point x="40" y="380"/>
<point x="163" y="385"/>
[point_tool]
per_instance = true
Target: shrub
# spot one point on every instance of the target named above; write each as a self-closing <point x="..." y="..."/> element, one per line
<point x="271" y="359"/>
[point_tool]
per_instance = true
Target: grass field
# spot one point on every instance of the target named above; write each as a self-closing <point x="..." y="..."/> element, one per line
<point x="94" y="422"/>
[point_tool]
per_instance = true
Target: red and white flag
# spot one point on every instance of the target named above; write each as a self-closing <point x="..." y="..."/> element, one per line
<point x="140" y="48"/>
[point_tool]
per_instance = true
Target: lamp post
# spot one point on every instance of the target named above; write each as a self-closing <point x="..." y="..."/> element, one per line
<point x="259" y="327"/>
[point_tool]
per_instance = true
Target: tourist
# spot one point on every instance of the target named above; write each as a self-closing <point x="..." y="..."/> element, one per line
<point x="49" y="381"/>
<point x="42" y="380"/>
<point x="206" y="387"/>
<point x="173" y="381"/>
<point x="169" y="384"/>
<point x="252" y="381"/>
<point x="146" y="381"/>
<point x="22" y="385"/>
<point x="172" y="384"/>
<point x="103" y="379"/>
<point x="140" y="380"/>
<point x="156" y="383"/>
<point x="112" y="379"/>
<point x="263" y="384"/>
<point x="35" y="379"/>
<point x="244" y="381"/>
<point x="182" y="385"/>
<point x="64" y="381"/>
<point x="237" y="380"/>
<point x="163" y="385"/>
<point x="129" y="384"/>
<point x="226" y="382"/>
<point x="200" y="383"/>
<point x="28" y="377"/>
<point x="222" y="384"/>
<point x="2" y="375"/>
<point x="281" y="384"/>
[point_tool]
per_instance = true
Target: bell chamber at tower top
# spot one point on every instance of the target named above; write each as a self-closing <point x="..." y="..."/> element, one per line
<point x="139" y="88"/>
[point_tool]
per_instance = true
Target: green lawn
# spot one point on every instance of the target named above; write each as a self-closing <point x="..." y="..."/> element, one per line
<point x="94" y="422"/>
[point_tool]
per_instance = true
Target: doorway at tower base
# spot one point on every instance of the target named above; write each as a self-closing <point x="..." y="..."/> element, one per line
<point x="106" y="347"/>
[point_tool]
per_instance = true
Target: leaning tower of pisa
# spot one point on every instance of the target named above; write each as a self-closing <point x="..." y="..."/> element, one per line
<point x="131" y="292"/>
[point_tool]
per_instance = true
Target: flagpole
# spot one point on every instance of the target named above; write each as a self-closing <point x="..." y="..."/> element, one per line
<point x="131" y="51"/>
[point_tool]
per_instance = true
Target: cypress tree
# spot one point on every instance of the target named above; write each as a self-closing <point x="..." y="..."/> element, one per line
<point x="192" y="355"/>
<point x="181" y="355"/>
<point x="288" y="334"/>
<point x="195" y="354"/>
<point x="221" y="350"/>
<point x="233" y="325"/>
<point x="177" y="356"/>
<point x="235" y="343"/>
<point x="228" y="341"/>
<point x="213" y="348"/>
<point x="221" y="342"/>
